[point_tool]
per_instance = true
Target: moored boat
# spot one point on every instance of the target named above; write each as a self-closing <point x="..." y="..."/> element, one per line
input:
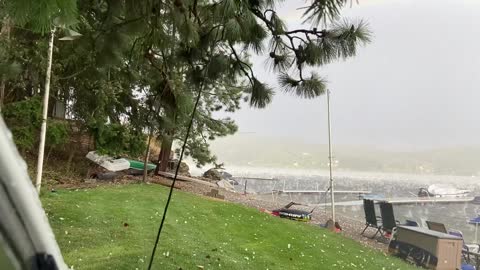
<point x="443" y="191"/>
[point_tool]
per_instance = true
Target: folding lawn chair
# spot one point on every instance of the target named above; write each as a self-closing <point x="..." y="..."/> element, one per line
<point x="465" y="248"/>
<point x="440" y="227"/>
<point x="371" y="220"/>
<point x="388" y="218"/>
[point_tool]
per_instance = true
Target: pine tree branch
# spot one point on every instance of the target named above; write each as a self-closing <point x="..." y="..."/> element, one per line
<point x="301" y="39"/>
<point x="288" y="34"/>
<point x="74" y="74"/>
<point x="249" y="75"/>
<point x="125" y="22"/>
<point x="268" y="10"/>
<point x="195" y="13"/>
<point x="291" y="43"/>
<point x="314" y="31"/>
<point x="131" y="49"/>
<point x="262" y="17"/>
<point x="150" y="57"/>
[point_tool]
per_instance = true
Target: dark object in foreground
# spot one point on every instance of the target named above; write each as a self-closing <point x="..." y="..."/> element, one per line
<point x="427" y="248"/>
<point x="294" y="214"/>
<point x="26" y="238"/>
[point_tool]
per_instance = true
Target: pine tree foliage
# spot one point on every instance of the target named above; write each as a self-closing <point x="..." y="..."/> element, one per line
<point x="309" y="88"/>
<point x="311" y="47"/>
<point x="140" y="64"/>
<point x="322" y="11"/>
<point x="42" y="15"/>
<point x="261" y="94"/>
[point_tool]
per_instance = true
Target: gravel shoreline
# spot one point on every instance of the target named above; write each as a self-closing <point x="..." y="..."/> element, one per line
<point x="350" y="228"/>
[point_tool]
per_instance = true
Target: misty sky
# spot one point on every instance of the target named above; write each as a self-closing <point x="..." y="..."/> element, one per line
<point x="415" y="85"/>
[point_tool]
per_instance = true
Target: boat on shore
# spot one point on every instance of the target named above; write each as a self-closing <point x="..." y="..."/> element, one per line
<point x="443" y="191"/>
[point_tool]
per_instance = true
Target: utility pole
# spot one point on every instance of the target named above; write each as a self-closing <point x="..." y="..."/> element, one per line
<point x="330" y="157"/>
<point x="43" y="131"/>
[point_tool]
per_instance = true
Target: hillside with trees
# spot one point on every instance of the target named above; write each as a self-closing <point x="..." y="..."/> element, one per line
<point x="294" y="154"/>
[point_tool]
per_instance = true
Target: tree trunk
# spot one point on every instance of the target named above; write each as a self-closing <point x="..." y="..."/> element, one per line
<point x="70" y="158"/>
<point x="164" y="155"/>
<point x="4" y="31"/>
<point x="48" y="154"/>
<point x="157" y="168"/>
<point x="2" y="92"/>
<point x="147" y="154"/>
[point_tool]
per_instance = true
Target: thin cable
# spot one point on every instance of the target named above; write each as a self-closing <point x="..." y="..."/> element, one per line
<point x="320" y="199"/>
<point x="325" y="197"/>
<point x="175" y="177"/>
<point x="181" y="156"/>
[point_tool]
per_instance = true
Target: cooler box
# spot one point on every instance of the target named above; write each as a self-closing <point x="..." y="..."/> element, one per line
<point x="434" y="250"/>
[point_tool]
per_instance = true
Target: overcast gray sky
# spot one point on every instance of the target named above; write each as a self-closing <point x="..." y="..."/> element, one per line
<point x="415" y="85"/>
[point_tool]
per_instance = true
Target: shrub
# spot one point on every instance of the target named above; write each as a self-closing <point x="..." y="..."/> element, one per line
<point x="117" y="139"/>
<point x="24" y="119"/>
<point x="57" y="133"/>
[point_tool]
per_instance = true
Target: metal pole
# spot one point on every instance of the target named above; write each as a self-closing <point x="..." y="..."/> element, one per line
<point x="476" y="233"/>
<point x="330" y="157"/>
<point x="43" y="131"/>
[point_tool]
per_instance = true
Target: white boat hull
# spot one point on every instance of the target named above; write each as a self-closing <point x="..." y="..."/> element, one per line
<point x="446" y="191"/>
<point x="113" y="165"/>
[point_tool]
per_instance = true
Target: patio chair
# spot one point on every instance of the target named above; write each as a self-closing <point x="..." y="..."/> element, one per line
<point x="440" y="227"/>
<point x="465" y="248"/>
<point x="371" y="220"/>
<point x="388" y="218"/>
<point x="436" y="226"/>
<point x="468" y="267"/>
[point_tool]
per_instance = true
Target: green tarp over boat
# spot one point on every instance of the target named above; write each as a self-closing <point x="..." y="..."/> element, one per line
<point x="138" y="165"/>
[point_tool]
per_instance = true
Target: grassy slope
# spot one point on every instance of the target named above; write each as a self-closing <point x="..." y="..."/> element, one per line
<point x="91" y="230"/>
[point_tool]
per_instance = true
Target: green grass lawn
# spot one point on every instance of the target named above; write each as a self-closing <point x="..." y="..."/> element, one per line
<point x="114" y="228"/>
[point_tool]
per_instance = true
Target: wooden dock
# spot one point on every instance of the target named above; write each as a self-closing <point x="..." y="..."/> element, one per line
<point x="421" y="200"/>
<point x="408" y="200"/>
<point x="254" y="178"/>
<point x="324" y="191"/>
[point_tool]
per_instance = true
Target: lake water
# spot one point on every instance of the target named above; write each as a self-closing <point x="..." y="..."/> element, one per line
<point x="453" y="215"/>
